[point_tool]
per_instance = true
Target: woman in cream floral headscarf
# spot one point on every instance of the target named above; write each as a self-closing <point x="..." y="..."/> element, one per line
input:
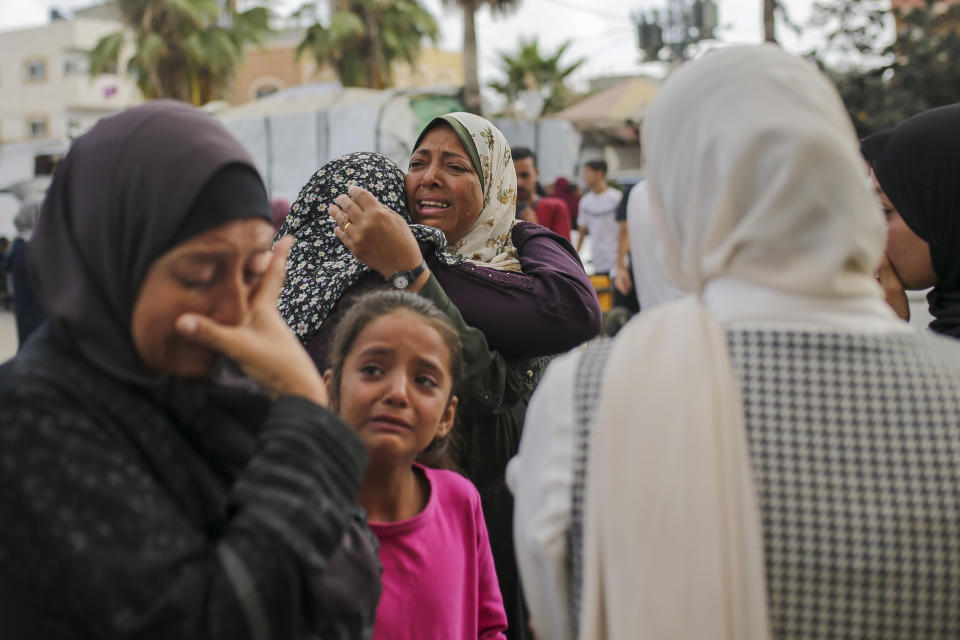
<point x="488" y="241"/>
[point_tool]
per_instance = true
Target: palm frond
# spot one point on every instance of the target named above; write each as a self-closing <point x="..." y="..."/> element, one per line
<point x="106" y="53"/>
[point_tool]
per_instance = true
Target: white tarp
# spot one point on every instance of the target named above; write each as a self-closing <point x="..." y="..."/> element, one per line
<point x="556" y="144"/>
<point x="294" y="132"/>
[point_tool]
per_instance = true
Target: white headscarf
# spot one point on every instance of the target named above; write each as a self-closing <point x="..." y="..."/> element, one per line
<point x="489" y="242"/>
<point x="652" y="285"/>
<point x="754" y="173"/>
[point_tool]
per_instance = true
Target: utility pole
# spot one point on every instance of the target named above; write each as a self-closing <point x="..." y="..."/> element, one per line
<point x="669" y="34"/>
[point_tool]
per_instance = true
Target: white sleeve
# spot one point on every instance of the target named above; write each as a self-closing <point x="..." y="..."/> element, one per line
<point x="541" y="478"/>
<point x="649" y="277"/>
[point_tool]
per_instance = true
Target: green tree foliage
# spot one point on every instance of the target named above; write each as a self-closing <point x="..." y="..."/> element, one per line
<point x="183" y="49"/>
<point x="884" y="80"/>
<point x="530" y="70"/>
<point x="363" y="38"/>
<point x="471" y="83"/>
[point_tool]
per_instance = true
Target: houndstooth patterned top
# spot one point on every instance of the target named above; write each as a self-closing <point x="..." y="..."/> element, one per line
<point x="855" y="444"/>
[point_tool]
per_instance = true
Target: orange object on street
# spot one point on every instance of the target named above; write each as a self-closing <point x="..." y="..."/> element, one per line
<point x="604" y="287"/>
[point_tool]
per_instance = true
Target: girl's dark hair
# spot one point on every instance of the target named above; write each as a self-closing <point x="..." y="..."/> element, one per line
<point x="367" y="308"/>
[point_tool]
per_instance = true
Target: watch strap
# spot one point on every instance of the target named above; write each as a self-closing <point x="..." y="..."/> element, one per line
<point x="403" y="279"/>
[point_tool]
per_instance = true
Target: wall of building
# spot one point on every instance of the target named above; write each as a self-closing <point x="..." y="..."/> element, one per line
<point x="62" y="101"/>
<point x="275" y="67"/>
<point x="39" y="115"/>
<point x="434" y="68"/>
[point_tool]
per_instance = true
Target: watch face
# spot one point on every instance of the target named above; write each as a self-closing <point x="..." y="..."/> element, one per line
<point x="401" y="282"/>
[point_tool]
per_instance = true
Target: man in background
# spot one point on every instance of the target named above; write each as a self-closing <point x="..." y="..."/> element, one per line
<point x="598" y="217"/>
<point x="28" y="312"/>
<point x="552" y="213"/>
<point x="6" y="299"/>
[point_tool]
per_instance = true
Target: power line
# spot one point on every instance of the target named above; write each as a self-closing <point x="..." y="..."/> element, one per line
<point x="593" y="12"/>
<point x="606" y="45"/>
<point x="621" y="30"/>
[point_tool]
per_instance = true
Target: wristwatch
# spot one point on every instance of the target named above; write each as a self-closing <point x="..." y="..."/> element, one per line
<point x="403" y="279"/>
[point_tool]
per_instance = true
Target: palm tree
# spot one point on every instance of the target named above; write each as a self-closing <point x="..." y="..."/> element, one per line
<point x="769" y="20"/>
<point x="471" y="83"/>
<point x="363" y="38"/>
<point x="529" y="70"/>
<point x="183" y="49"/>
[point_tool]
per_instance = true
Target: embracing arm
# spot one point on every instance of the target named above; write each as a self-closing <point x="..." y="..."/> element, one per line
<point x="485" y="375"/>
<point x="549" y="308"/>
<point x="107" y="551"/>
<point x="493" y="397"/>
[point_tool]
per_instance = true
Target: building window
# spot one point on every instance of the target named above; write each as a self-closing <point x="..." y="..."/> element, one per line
<point x="35" y="70"/>
<point x="263" y="92"/>
<point x="45" y="163"/>
<point x="37" y="127"/>
<point x="75" y="63"/>
<point x="264" y="86"/>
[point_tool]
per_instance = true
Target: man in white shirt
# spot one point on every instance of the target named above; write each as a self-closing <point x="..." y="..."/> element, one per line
<point x="598" y="217"/>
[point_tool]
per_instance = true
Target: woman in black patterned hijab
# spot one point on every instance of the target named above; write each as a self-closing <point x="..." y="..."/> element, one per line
<point x="508" y="320"/>
<point x="547" y="309"/>
<point x="321" y="269"/>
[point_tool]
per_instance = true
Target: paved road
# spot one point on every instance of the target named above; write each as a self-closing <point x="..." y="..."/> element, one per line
<point x="8" y="336"/>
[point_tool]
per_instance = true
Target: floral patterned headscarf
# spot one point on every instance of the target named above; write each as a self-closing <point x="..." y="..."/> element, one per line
<point x="320" y="268"/>
<point x="489" y="242"/>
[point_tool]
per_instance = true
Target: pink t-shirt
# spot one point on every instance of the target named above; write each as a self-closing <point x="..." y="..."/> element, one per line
<point x="438" y="575"/>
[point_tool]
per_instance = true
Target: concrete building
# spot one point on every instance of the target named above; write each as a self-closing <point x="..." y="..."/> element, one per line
<point x="274" y="67"/>
<point x="47" y="97"/>
<point x="434" y="68"/>
<point x="46" y="92"/>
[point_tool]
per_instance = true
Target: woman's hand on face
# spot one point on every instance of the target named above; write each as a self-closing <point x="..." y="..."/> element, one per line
<point x="263" y="345"/>
<point x="376" y="235"/>
<point x="893" y="290"/>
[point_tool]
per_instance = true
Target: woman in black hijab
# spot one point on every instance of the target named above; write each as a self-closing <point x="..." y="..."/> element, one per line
<point x="168" y="468"/>
<point x="916" y="165"/>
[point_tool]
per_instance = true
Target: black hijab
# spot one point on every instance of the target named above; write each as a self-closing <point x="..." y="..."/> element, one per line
<point x="133" y="187"/>
<point x="120" y="199"/>
<point x="917" y="163"/>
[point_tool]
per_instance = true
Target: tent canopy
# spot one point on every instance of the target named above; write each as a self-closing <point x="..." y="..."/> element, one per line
<point x="609" y="111"/>
<point x="292" y="133"/>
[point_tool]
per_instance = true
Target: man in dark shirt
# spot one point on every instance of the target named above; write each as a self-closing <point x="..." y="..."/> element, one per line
<point x="552" y="213"/>
<point x="6" y="300"/>
<point x="27" y="309"/>
<point x="625" y="292"/>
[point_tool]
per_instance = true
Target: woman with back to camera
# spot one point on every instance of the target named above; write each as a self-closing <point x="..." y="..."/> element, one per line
<point x="775" y="455"/>
<point x="152" y="487"/>
<point x="514" y="290"/>
<point x="915" y="167"/>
